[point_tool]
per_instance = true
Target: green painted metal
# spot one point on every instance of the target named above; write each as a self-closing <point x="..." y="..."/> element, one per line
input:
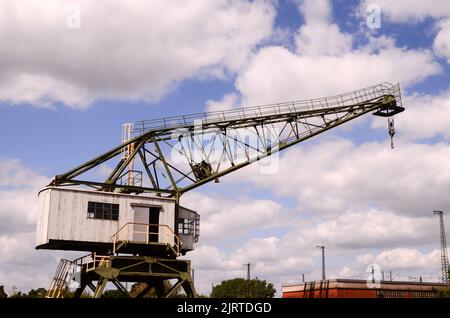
<point x="274" y="127"/>
<point x="143" y="269"/>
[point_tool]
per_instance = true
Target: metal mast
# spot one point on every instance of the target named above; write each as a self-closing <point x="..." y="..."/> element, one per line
<point x="444" y="256"/>
<point x="248" y="270"/>
<point x="323" y="260"/>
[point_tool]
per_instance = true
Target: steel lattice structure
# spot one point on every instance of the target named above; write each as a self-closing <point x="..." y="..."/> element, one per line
<point x="174" y="155"/>
<point x="444" y="255"/>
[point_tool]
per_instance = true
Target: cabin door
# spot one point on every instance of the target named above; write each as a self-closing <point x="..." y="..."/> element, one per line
<point x="153" y="220"/>
<point x="146" y="217"/>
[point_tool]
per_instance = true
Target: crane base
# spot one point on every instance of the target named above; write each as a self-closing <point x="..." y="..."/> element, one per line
<point x="95" y="272"/>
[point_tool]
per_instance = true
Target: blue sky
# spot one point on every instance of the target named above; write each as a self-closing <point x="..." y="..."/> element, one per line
<point x="64" y="102"/>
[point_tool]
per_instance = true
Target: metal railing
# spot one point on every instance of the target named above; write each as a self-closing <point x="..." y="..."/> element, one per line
<point x="124" y="231"/>
<point x="97" y="261"/>
<point x="66" y="270"/>
<point x="60" y="282"/>
<point x="359" y="96"/>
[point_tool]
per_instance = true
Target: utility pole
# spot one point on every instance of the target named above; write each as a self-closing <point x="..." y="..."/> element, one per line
<point x="390" y="276"/>
<point x="248" y="270"/>
<point x="248" y="278"/>
<point x="373" y="275"/>
<point x="303" y="278"/>
<point x="323" y="260"/>
<point x="444" y="256"/>
<point x="382" y="276"/>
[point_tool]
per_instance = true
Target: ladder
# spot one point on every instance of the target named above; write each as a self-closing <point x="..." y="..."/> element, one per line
<point x="61" y="281"/>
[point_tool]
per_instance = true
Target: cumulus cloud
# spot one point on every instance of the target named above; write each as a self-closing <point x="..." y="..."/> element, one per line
<point x="279" y="260"/>
<point x="276" y="74"/>
<point x="410" y="10"/>
<point x="426" y="116"/>
<point x="122" y="50"/>
<point x="335" y="175"/>
<point x="325" y="63"/>
<point x="442" y="40"/>
<point x="18" y="191"/>
<point x="21" y="265"/>
<point x="374" y="229"/>
<point x="403" y="259"/>
<point x="14" y="174"/>
<point x="228" y="102"/>
<point x="413" y="11"/>
<point x="224" y="217"/>
<point x="317" y="15"/>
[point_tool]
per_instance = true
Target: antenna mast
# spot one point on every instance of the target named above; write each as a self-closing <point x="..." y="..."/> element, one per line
<point x="444" y="256"/>
<point x="321" y="247"/>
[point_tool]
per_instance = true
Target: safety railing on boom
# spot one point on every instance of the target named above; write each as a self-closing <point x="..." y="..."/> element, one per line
<point x="363" y="95"/>
<point x="142" y="232"/>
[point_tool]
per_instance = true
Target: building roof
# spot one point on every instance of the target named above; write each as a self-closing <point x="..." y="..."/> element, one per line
<point x="362" y="284"/>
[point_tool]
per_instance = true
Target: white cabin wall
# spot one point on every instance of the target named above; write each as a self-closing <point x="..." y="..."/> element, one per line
<point x="69" y="221"/>
<point x="63" y="215"/>
<point x="42" y="218"/>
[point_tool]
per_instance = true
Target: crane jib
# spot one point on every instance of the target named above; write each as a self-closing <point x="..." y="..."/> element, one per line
<point x="173" y="155"/>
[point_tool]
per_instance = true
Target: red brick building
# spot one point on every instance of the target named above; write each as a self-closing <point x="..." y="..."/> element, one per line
<point x="350" y="288"/>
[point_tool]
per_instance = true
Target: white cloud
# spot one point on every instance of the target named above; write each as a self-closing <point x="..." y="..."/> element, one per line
<point x="335" y="175"/>
<point x="19" y="186"/>
<point x="442" y="40"/>
<point x="281" y="259"/>
<point x="268" y="258"/>
<point x="223" y="217"/>
<point x="410" y="10"/>
<point x="229" y="219"/>
<point x="276" y="74"/>
<point x="14" y="174"/>
<point x="403" y="259"/>
<point x="21" y="265"/>
<point x="413" y="11"/>
<point x="318" y="35"/>
<point x="370" y="228"/>
<point x="228" y="102"/>
<point x="426" y="116"/>
<point x="326" y="64"/>
<point x="133" y="51"/>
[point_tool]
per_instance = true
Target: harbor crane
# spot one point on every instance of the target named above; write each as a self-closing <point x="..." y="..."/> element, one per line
<point x="132" y="223"/>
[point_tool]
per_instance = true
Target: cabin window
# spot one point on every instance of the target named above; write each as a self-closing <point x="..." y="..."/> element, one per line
<point x="186" y="226"/>
<point x="189" y="227"/>
<point x="104" y="211"/>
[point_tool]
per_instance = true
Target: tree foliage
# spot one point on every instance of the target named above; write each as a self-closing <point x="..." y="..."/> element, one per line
<point x="3" y="294"/>
<point x="113" y="293"/>
<point x="242" y="288"/>
<point x="33" y="293"/>
<point x="443" y="292"/>
<point x="137" y="288"/>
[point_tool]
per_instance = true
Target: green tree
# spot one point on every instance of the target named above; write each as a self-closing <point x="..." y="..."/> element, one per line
<point x="137" y="288"/>
<point x="443" y="292"/>
<point x="33" y="293"/>
<point x="3" y="294"/>
<point x="242" y="288"/>
<point x="36" y="293"/>
<point x="113" y="293"/>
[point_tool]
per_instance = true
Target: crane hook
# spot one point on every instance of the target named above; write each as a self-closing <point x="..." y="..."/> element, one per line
<point x="391" y="131"/>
